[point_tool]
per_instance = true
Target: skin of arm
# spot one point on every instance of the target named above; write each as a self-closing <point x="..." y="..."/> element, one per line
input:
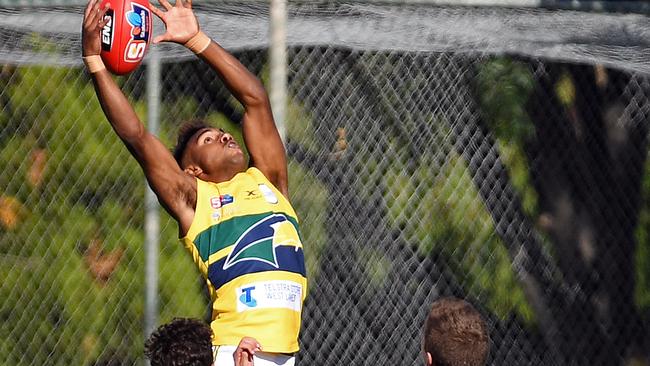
<point x="260" y="133"/>
<point x="175" y="190"/>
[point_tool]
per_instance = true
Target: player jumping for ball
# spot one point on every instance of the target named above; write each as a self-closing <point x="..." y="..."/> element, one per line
<point x="233" y="216"/>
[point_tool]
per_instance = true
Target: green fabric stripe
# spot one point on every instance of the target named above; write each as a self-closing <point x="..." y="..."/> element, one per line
<point x="221" y="235"/>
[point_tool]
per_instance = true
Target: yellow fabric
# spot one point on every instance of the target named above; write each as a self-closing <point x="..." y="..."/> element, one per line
<point x="245" y="241"/>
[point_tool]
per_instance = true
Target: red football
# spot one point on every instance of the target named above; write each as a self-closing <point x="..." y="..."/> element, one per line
<point x="126" y="36"/>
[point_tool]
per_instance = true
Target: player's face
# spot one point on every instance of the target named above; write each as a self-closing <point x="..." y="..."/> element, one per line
<point x="213" y="149"/>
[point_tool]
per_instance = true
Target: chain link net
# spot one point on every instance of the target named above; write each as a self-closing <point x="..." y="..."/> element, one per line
<point x="519" y="183"/>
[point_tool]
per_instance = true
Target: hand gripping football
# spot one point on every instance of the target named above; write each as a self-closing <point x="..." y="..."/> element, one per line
<point x="127" y="35"/>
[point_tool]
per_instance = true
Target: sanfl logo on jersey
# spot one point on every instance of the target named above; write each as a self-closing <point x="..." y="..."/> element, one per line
<point x="258" y="243"/>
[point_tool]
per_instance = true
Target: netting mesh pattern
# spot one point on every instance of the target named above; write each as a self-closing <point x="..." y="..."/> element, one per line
<point x="616" y="40"/>
<point x="519" y="183"/>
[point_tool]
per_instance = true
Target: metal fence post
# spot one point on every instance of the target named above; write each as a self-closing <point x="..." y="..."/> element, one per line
<point x="152" y="213"/>
<point x="278" y="64"/>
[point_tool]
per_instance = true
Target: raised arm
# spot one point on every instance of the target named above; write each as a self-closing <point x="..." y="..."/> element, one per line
<point x="260" y="133"/>
<point x="175" y="189"/>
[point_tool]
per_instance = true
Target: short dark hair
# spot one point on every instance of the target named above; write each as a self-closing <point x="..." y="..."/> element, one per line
<point x="182" y="342"/>
<point x="455" y="334"/>
<point x="185" y="133"/>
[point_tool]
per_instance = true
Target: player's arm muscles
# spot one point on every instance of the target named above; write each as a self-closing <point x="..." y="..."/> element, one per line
<point x="175" y="189"/>
<point x="260" y="133"/>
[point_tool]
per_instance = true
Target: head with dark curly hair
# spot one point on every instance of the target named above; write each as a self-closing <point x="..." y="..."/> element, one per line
<point x="203" y="149"/>
<point x="182" y="342"/>
<point x="455" y="334"/>
<point x="185" y="133"/>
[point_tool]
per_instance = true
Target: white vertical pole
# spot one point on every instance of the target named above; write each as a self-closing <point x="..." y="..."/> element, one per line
<point x="278" y="64"/>
<point x="152" y="208"/>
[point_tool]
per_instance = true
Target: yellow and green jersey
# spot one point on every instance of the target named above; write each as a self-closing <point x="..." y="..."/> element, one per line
<point x="245" y="240"/>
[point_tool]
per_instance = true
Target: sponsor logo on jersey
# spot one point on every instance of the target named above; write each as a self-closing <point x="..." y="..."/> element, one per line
<point x="218" y="202"/>
<point x="215" y="202"/>
<point x="139" y="19"/>
<point x="268" y="194"/>
<point x="258" y="243"/>
<point x="226" y="199"/>
<point x="270" y="294"/>
<point x="247" y="297"/>
<point x="107" y="31"/>
<point x="251" y="195"/>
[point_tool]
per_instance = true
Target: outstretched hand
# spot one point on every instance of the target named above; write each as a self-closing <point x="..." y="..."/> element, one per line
<point x="180" y="21"/>
<point x="245" y="350"/>
<point x="93" y="22"/>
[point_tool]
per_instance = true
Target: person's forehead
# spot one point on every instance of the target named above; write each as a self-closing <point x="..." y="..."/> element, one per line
<point x="200" y="132"/>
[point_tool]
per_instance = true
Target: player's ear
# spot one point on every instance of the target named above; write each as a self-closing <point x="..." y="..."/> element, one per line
<point x="428" y="359"/>
<point x="193" y="170"/>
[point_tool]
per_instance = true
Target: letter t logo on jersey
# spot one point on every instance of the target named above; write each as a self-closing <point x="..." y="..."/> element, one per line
<point x="247" y="297"/>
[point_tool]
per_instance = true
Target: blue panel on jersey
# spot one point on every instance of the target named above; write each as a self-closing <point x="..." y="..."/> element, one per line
<point x="289" y="259"/>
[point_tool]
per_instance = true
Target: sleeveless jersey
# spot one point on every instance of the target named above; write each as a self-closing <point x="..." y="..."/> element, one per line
<point x="245" y="240"/>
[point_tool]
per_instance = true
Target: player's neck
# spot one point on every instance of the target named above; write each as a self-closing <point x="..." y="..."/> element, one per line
<point x="221" y="176"/>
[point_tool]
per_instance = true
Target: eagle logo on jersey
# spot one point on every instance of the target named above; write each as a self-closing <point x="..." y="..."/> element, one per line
<point x="258" y="243"/>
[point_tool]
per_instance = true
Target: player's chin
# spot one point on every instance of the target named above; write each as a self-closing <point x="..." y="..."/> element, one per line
<point x="236" y="152"/>
<point x="239" y="160"/>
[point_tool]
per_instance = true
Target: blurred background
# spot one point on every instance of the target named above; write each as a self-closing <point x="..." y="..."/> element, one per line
<point x="489" y="150"/>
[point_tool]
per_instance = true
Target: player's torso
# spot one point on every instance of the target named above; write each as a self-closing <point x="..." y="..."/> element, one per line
<point x="246" y="242"/>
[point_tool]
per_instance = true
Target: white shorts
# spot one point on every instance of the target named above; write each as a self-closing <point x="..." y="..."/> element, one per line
<point x="223" y="356"/>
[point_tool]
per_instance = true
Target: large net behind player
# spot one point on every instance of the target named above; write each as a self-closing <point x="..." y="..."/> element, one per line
<point x="494" y="154"/>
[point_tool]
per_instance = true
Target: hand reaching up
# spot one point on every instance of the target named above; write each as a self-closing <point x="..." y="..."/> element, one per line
<point x="180" y="21"/>
<point x="93" y="23"/>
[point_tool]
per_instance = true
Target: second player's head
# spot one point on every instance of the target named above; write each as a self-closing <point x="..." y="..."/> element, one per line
<point x="182" y="342"/>
<point x="205" y="151"/>
<point x="455" y="334"/>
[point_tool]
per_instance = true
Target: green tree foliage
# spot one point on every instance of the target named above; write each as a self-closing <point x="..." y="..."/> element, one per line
<point x="565" y="125"/>
<point x="71" y="239"/>
<point x="71" y="206"/>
